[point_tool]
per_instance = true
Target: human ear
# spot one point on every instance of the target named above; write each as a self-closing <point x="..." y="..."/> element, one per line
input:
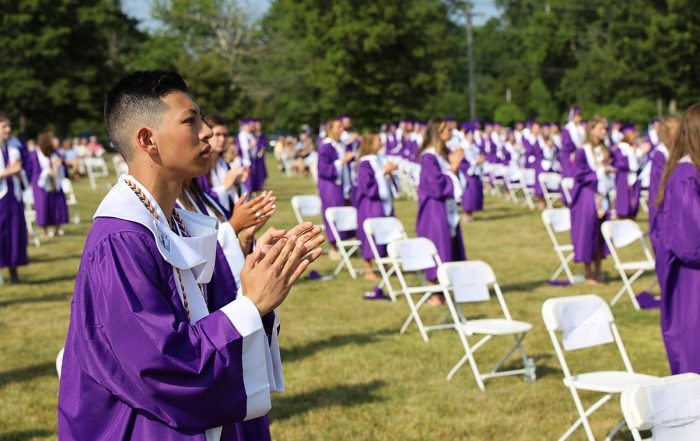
<point x="145" y="141"/>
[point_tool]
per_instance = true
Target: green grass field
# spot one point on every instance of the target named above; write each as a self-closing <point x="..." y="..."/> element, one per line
<point x="349" y="374"/>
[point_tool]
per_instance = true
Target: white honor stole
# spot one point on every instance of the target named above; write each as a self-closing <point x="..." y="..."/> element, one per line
<point x="451" y="203"/>
<point x="46" y="182"/>
<point x="13" y="155"/>
<point x="632" y="160"/>
<point x="343" y="179"/>
<point x="383" y="185"/>
<point x="195" y="258"/>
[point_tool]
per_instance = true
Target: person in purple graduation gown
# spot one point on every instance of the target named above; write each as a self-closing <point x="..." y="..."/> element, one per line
<point x="667" y="132"/>
<point x="137" y="365"/>
<point x="534" y="155"/>
<point x="48" y="172"/>
<point x="678" y="250"/>
<point x="571" y="139"/>
<point x="333" y="175"/>
<point x="374" y="197"/>
<point x="589" y="204"/>
<point x="438" y="219"/>
<point x="471" y="169"/>
<point x="13" y="226"/>
<point x="260" y="166"/>
<point x="626" y="157"/>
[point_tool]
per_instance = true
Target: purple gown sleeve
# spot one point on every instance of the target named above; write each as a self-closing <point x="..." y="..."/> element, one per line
<point x="433" y="183"/>
<point x="681" y="225"/>
<point x="620" y="161"/>
<point x="186" y="376"/>
<point x="326" y="162"/>
<point x="367" y="182"/>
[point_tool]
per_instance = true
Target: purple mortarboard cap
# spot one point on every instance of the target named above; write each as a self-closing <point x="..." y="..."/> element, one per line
<point x="529" y="123"/>
<point x="465" y="126"/>
<point x="449" y="118"/>
<point x="628" y="128"/>
<point x="575" y="110"/>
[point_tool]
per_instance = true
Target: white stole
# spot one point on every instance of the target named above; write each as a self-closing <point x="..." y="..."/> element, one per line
<point x="383" y="186"/>
<point x="13" y="156"/>
<point x="46" y="182"/>
<point x="450" y="204"/>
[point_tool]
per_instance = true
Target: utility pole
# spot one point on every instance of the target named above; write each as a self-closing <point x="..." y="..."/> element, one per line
<point x="470" y="58"/>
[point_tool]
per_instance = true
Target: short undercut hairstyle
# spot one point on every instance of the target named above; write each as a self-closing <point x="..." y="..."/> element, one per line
<point x="136" y="100"/>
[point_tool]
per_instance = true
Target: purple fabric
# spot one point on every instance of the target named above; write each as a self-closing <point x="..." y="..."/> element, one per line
<point x="678" y="268"/>
<point x="658" y="163"/>
<point x="473" y="195"/>
<point x="534" y="150"/>
<point x="50" y="206"/>
<point x="260" y="170"/>
<point x="567" y="148"/>
<point x="627" y="198"/>
<point x="434" y="189"/>
<point x="585" y="225"/>
<point x="134" y="367"/>
<point x="13" y="227"/>
<point x="330" y="193"/>
<point x="369" y="204"/>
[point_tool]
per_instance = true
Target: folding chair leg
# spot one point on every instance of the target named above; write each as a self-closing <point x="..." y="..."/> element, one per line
<point x="616" y="429"/>
<point x="627" y="286"/>
<point x="583" y="415"/>
<point x="413" y="315"/>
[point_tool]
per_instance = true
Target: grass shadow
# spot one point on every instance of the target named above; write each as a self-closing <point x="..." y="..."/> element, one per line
<point x="62" y="278"/>
<point x="44" y="298"/>
<point x="523" y="286"/>
<point x="287" y="406"/>
<point x="299" y="352"/>
<point x="23" y="435"/>
<point x="27" y="373"/>
<point x="54" y="258"/>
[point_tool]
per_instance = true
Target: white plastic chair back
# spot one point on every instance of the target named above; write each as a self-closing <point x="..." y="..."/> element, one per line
<point x="383" y="230"/>
<point x="306" y="205"/>
<point x="469" y="280"/>
<point x="558" y="219"/>
<point x="529" y="177"/>
<point x="567" y="184"/>
<point x="669" y="406"/>
<point x="67" y="187"/>
<point x="622" y="232"/>
<point x="415" y="254"/>
<point x="28" y="197"/>
<point x="552" y="181"/>
<point x="342" y="218"/>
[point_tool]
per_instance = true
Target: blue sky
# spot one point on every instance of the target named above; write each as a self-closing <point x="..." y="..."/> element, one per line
<point x="140" y="9"/>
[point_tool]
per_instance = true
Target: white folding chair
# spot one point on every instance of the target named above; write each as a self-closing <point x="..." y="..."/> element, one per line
<point x="305" y="206"/>
<point x="619" y="234"/>
<point x="586" y="321"/>
<point x="381" y="231"/>
<point x="59" y="362"/>
<point x="551" y="187"/>
<point x="120" y="166"/>
<point x="558" y="220"/>
<point x="468" y="282"/>
<point x="644" y="200"/>
<point x="669" y="407"/>
<point x="342" y="220"/>
<point x="414" y="256"/>
<point x="30" y="215"/>
<point x="71" y="200"/>
<point x="95" y="168"/>
<point x="522" y="179"/>
<point x="567" y="184"/>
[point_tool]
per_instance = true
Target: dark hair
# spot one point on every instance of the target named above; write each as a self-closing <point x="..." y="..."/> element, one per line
<point x="136" y="99"/>
<point x="215" y="120"/>
<point x="45" y="142"/>
<point x="4" y="117"/>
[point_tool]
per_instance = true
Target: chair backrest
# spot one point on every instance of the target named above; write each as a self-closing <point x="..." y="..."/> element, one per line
<point x="529" y="177"/>
<point x="28" y="198"/>
<point x="306" y="205"/>
<point x="674" y="399"/>
<point x="341" y="219"/>
<point x="414" y="254"/>
<point x="550" y="181"/>
<point x="558" y="220"/>
<point x="585" y="321"/>
<point x="67" y="187"/>
<point x="622" y="233"/>
<point x="382" y="230"/>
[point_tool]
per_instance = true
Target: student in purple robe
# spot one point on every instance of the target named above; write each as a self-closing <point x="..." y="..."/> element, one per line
<point x="667" y="131"/>
<point x="333" y="175"/>
<point x="48" y="172"/>
<point x="471" y="169"/>
<point x="374" y="197"/>
<point x="247" y="151"/>
<point x="260" y="167"/>
<point x="13" y="226"/>
<point x="589" y="199"/>
<point x="571" y="139"/>
<point x="534" y="157"/>
<point x="438" y="192"/>
<point x="626" y="158"/>
<point x="161" y="345"/>
<point x="678" y="253"/>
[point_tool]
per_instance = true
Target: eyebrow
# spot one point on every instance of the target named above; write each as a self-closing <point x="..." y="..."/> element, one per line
<point x="194" y="111"/>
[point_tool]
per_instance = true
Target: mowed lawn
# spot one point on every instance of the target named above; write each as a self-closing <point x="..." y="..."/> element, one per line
<point x="349" y="374"/>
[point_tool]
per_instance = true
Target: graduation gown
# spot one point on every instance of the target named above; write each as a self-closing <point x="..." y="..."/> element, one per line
<point x="658" y="163"/>
<point x="13" y="226"/>
<point x="135" y="367"/>
<point x="678" y="267"/>
<point x="49" y="200"/>
<point x="333" y="180"/>
<point x="473" y="195"/>
<point x="627" y="186"/>
<point x="436" y="193"/>
<point x="585" y="225"/>
<point x="373" y="199"/>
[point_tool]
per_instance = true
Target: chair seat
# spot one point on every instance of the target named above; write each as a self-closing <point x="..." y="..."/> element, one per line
<point x="496" y="327"/>
<point x="608" y="381"/>
<point x="351" y="242"/>
<point x="565" y="247"/>
<point x="645" y="265"/>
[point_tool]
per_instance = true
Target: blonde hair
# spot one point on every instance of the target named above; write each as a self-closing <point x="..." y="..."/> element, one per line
<point x="432" y="137"/>
<point x="588" y="139"/>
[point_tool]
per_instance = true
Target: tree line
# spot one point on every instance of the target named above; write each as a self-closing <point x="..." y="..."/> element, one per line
<point x="306" y="60"/>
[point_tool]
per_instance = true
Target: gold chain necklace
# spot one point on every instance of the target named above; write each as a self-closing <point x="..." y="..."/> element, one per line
<point x="181" y="228"/>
